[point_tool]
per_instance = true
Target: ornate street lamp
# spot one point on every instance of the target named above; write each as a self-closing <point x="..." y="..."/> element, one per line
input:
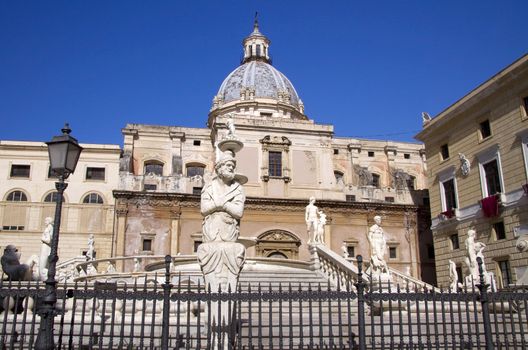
<point x="64" y="152"/>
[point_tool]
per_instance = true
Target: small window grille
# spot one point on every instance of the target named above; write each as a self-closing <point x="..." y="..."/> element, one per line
<point x="370" y="153"/>
<point x="19" y="170"/>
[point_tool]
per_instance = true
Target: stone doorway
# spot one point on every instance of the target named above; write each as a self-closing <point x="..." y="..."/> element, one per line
<point x="278" y="244"/>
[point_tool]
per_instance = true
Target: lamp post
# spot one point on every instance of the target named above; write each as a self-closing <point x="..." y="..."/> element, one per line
<point x="64" y="152"/>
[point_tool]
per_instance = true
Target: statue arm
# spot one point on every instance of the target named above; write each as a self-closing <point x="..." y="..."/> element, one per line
<point x="208" y="204"/>
<point x="235" y="207"/>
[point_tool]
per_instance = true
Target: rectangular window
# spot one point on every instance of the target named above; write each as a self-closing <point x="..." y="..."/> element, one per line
<point x="147" y="245"/>
<point x="525" y="105"/>
<point x="430" y="251"/>
<point x="336" y="151"/>
<point x="350" y="198"/>
<point x="20" y="170"/>
<point x="196" y="245"/>
<point x="93" y="173"/>
<point x="150" y="187"/>
<point x="505" y="273"/>
<point x="455" y="244"/>
<point x="393" y="253"/>
<point x="449" y="194"/>
<point x="500" y="231"/>
<point x="410" y="182"/>
<point x="406" y="156"/>
<point x="275" y="164"/>
<point x="351" y="251"/>
<point x="267" y="115"/>
<point x="371" y="154"/>
<point x="197" y="191"/>
<point x="51" y="173"/>
<point x="460" y="275"/>
<point x="197" y="143"/>
<point x="491" y="172"/>
<point x="444" y="151"/>
<point x="485" y="129"/>
<point x="13" y="228"/>
<point x="376" y="180"/>
<point x="389" y="199"/>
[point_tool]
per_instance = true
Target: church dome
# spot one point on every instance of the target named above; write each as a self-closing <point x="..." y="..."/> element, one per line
<point x="258" y="79"/>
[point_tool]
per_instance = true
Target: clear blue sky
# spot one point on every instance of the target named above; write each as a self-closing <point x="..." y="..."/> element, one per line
<point x="368" y="67"/>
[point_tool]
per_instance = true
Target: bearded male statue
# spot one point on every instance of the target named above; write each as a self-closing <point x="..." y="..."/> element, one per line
<point x="222" y="205"/>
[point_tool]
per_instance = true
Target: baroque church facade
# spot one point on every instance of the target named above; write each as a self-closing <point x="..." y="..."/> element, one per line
<point x="144" y="198"/>
<point x="287" y="158"/>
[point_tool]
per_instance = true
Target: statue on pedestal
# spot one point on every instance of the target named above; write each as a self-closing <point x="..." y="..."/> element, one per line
<point x="90" y="253"/>
<point x="378" y="247"/>
<point x="222" y="205"/>
<point x="312" y="222"/>
<point x="453" y="277"/>
<point x="45" y="248"/>
<point x="319" y="234"/>
<point x="474" y="251"/>
<point x="221" y="256"/>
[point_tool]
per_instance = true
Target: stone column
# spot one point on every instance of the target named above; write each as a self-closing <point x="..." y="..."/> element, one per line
<point x="120" y="232"/>
<point x="175" y="215"/>
<point x="328" y="233"/>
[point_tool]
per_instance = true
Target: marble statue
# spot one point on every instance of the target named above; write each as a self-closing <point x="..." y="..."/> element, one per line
<point x="319" y="234"/>
<point x="90" y="253"/>
<point x="222" y="206"/>
<point x="111" y="267"/>
<point x="220" y="256"/>
<point x="312" y="222"/>
<point x="522" y="246"/>
<point x="453" y="277"/>
<point x="45" y="248"/>
<point x="472" y="250"/>
<point x="426" y="118"/>
<point x="378" y="247"/>
<point x="465" y="165"/>
<point x="231" y="128"/>
<point x="137" y="264"/>
<point x="344" y="250"/>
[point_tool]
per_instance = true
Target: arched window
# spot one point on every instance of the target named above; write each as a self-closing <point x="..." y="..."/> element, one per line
<point x="51" y="197"/>
<point x="16" y="196"/>
<point x="375" y="180"/>
<point x="15" y="214"/>
<point x="194" y="169"/>
<point x="277" y="255"/>
<point x="154" y="167"/>
<point x="258" y="50"/>
<point x="93" y="198"/>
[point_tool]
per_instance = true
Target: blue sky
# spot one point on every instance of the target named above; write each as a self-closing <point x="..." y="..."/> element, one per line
<point x="369" y="68"/>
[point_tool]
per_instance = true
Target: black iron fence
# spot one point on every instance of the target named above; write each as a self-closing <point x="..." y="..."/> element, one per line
<point x="172" y="312"/>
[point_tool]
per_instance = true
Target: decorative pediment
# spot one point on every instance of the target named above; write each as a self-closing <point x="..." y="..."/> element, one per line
<point x="275" y="140"/>
<point x="278" y="235"/>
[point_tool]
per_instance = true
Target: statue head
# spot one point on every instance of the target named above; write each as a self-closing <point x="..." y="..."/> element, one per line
<point x="48" y="221"/>
<point x="226" y="165"/>
<point x="312" y="200"/>
<point x="471" y="233"/>
<point x="377" y="219"/>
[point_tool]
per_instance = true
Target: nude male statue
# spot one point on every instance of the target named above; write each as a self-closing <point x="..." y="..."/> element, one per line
<point x="312" y="222"/>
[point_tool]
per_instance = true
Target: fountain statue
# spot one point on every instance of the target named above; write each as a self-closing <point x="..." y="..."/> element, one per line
<point x="474" y="251"/>
<point x="45" y="248"/>
<point x="319" y="234"/>
<point x="378" y="248"/>
<point x="312" y="222"/>
<point x="220" y="256"/>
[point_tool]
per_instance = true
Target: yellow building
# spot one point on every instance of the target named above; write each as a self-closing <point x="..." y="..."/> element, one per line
<point x="477" y="169"/>
<point x="27" y="194"/>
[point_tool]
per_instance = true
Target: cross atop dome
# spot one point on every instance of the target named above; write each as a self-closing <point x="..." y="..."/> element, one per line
<point x="256" y="45"/>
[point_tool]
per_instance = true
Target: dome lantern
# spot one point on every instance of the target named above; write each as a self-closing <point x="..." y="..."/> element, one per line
<point x="256" y="45"/>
